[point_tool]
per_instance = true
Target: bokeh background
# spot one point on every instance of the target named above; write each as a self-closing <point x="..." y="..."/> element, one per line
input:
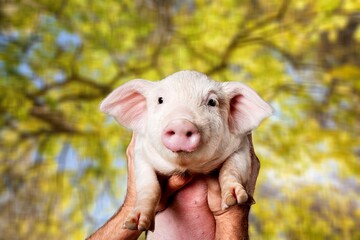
<point x="62" y="162"/>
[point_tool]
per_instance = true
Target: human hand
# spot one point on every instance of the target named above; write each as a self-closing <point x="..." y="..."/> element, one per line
<point x="169" y="184"/>
<point x="232" y="223"/>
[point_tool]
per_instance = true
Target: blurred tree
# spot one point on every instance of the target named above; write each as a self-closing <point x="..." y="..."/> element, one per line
<point x="58" y="59"/>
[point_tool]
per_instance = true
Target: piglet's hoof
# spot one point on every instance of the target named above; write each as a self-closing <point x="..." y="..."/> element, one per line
<point x="241" y="198"/>
<point x="237" y="195"/>
<point x="137" y="221"/>
<point x="230" y="200"/>
<point x="130" y="225"/>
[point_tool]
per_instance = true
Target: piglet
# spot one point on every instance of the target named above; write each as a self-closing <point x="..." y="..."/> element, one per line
<point x="187" y="123"/>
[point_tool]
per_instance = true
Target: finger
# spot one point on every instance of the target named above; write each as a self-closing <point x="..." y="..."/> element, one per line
<point x="130" y="167"/>
<point x="214" y="193"/>
<point x="255" y="167"/>
<point x="174" y="183"/>
<point x="130" y="148"/>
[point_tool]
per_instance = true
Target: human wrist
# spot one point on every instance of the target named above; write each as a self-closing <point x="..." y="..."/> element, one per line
<point x="233" y="223"/>
<point x="113" y="229"/>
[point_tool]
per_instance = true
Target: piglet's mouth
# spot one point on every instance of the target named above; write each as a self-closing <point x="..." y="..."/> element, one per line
<point x="183" y="152"/>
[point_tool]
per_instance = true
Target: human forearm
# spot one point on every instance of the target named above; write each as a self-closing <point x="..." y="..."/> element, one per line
<point x="112" y="229"/>
<point x="233" y="224"/>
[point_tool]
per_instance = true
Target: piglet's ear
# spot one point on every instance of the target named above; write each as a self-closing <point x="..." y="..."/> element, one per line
<point x="247" y="109"/>
<point x="127" y="104"/>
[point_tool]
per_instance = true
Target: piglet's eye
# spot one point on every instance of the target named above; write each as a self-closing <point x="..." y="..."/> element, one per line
<point x="160" y="100"/>
<point x="212" y="102"/>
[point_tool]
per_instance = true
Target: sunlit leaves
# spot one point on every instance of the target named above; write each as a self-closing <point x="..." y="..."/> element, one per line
<point x="58" y="59"/>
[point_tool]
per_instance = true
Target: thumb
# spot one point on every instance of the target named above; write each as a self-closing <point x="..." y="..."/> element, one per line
<point x="173" y="184"/>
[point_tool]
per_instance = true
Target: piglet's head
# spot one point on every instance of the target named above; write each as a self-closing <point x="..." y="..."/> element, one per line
<point x="187" y="117"/>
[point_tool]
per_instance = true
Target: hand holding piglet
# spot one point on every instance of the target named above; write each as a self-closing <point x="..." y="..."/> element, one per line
<point x="187" y="123"/>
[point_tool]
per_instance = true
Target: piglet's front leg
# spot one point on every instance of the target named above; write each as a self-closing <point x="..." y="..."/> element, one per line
<point x="148" y="194"/>
<point x="233" y="177"/>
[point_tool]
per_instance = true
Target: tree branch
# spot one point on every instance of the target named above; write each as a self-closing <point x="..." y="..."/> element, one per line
<point x="245" y="35"/>
<point x="54" y="118"/>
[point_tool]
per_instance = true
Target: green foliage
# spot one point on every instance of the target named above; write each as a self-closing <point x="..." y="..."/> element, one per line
<point x="58" y="59"/>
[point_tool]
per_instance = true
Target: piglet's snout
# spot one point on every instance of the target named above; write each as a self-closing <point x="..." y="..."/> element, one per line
<point x="181" y="135"/>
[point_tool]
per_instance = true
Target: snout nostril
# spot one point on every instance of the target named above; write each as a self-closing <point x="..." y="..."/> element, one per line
<point x="170" y="133"/>
<point x="189" y="134"/>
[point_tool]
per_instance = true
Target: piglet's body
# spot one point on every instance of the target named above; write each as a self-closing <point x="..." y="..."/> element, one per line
<point x="187" y="123"/>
